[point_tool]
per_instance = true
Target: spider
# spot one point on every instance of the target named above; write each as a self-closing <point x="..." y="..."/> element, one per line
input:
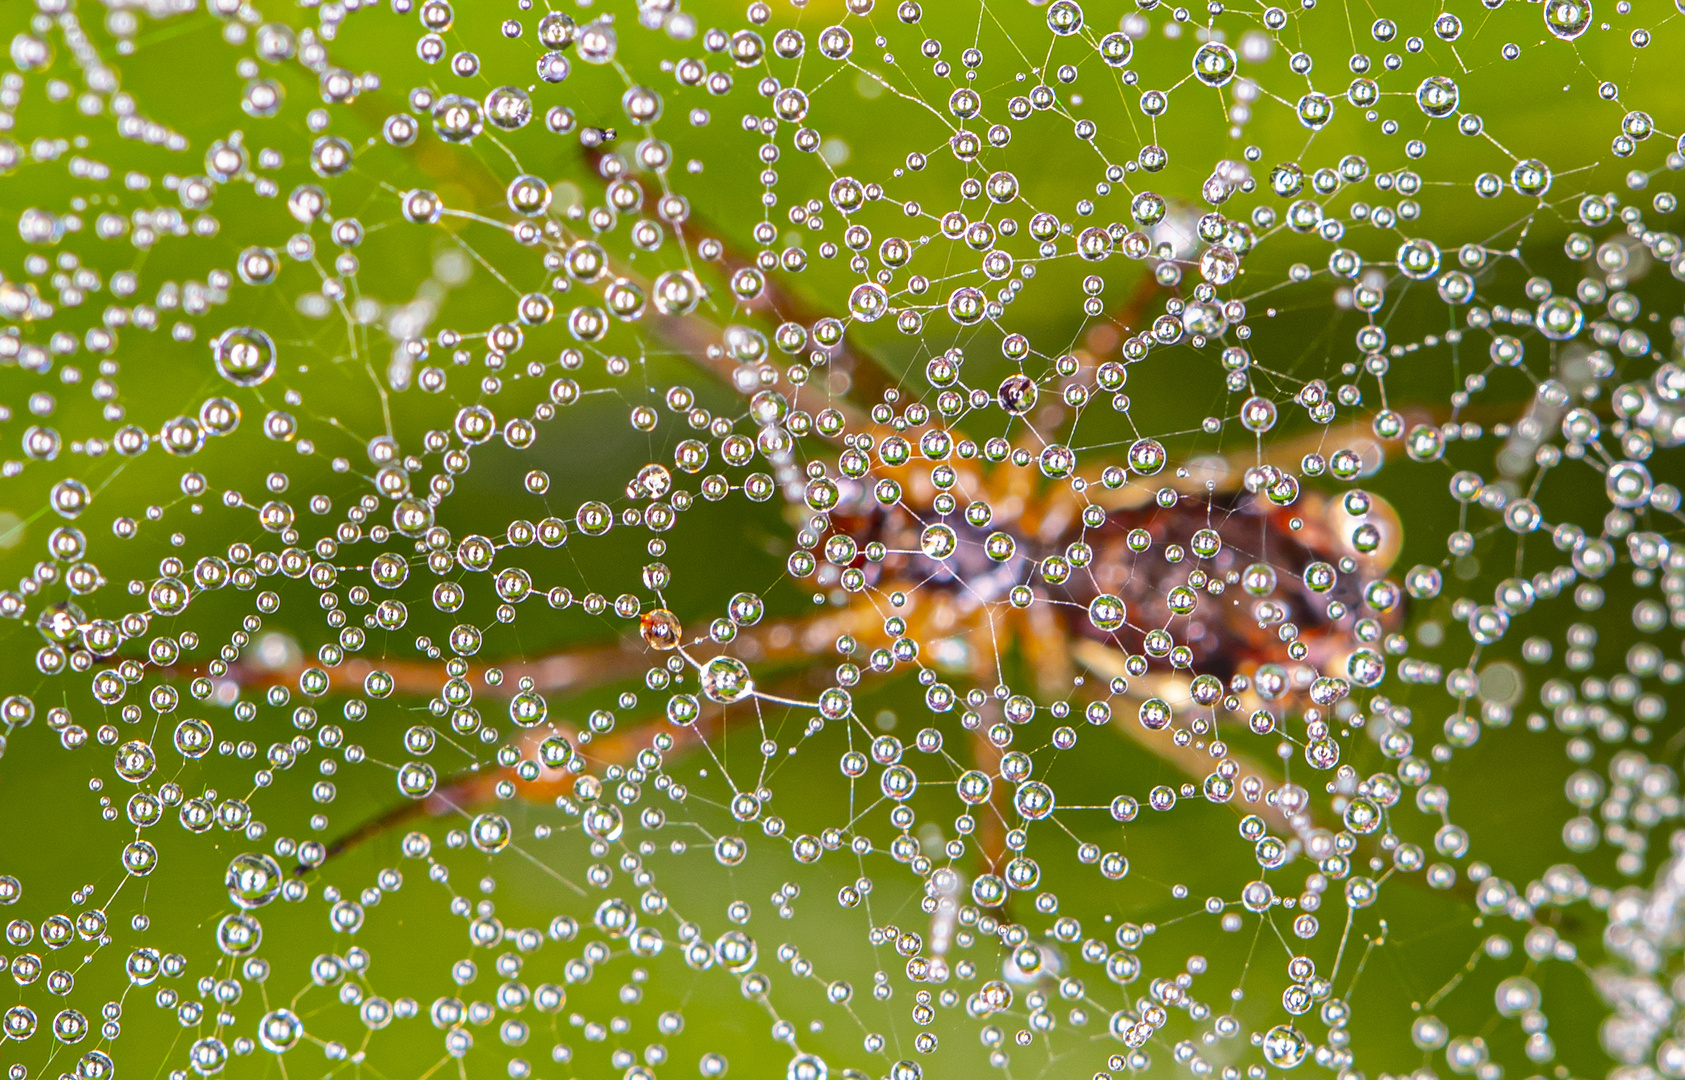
<point x="1216" y="589"/>
<point x="1199" y="603"/>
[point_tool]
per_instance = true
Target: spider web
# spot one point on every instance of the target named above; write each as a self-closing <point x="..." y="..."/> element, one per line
<point x="853" y="539"/>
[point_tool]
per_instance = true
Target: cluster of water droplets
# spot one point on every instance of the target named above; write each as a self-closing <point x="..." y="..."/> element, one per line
<point x="656" y="539"/>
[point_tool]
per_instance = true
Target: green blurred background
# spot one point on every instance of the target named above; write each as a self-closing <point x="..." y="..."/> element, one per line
<point x="1506" y="790"/>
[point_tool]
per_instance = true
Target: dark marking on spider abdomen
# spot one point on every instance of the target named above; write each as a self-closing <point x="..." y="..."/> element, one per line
<point x="1224" y="630"/>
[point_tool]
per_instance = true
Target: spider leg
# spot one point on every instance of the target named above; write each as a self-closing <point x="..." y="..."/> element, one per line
<point x="868" y="376"/>
<point x="1227" y="472"/>
<point x="776" y="643"/>
<point x="991" y="826"/>
<point x="1047" y="648"/>
<point x="441" y="802"/>
<point x="475" y="788"/>
<point x="1191" y="760"/>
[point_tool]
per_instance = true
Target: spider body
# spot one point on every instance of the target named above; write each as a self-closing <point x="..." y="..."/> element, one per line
<point x="1206" y="574"/>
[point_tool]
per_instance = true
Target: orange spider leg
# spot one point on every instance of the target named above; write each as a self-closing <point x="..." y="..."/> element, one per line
<point x="1193" y="760"/>
<point x="476" y="788"/>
